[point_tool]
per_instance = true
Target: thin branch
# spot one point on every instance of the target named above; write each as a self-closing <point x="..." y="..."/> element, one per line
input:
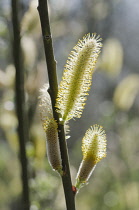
<point x="20" y="103"/>
<point x="51" y="67"/>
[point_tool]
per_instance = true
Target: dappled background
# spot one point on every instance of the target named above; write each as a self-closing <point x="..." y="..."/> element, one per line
<point x="113" y="102"/>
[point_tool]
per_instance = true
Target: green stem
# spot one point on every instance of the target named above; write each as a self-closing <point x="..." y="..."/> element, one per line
<point x="20" y="103"/>
<point x="51" y="67"/>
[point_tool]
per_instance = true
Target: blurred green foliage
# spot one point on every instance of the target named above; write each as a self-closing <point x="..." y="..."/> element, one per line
<point x="113" y="102"/>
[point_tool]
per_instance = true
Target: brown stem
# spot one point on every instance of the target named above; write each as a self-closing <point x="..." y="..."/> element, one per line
<point x="20" y="103"/>
<point x="51" y="67"/>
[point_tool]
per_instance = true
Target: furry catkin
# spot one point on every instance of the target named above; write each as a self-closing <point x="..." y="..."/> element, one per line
<point x="77" y="77"/>
<point x="50" y="128"/>
<point x="94" y="149"/>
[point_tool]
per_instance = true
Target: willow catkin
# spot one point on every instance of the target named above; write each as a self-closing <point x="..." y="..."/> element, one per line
<point x="52" y="145"/>
<point x="50" y="128"/>
<point x="94" y="149"/>
<point x="77" y="77"/>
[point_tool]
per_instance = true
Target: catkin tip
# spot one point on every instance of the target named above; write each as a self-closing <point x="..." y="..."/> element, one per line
<point x="94" y="143"/>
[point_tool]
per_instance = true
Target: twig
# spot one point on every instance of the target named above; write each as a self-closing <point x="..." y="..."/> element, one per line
<point x="51" y="67"/>
<point x="20" y="103"/>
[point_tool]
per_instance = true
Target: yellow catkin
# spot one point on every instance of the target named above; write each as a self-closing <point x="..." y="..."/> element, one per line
<point x="94" y="149"/>
<point x="77" y="77"/>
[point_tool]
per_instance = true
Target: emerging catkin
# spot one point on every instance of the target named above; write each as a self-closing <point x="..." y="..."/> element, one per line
<point x="94" y="149"/>
<point x="77" y="77"/>
<point x="50" y="128"/>
<point x="52" y="146"/>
